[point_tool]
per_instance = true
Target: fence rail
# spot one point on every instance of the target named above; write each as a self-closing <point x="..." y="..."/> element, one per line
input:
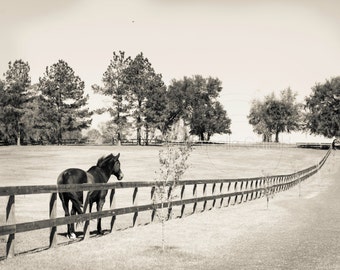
<point x="227" y="191"/>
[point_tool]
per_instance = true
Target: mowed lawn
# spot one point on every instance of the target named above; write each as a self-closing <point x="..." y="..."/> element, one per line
<point x="41" y="165"/>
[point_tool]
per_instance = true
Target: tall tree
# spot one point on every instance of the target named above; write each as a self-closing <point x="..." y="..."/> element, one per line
<point x="276" y="115"/>
<point x="195" y="100"/>
<point x="208" y="116"/>
<point x="93" y="136"/>
<point x="63" y="106"/>
<point x="13" y="100"/>
<point x="142" y="82"/>
<point x="156" y="107"/>
<point x="107" y="130"/>
<point x="257" y="120"/>
<point x="32" y="118"/>
<point x="113" y="86"/>
<point x="323" y="109"/>
<point x="179" y="101"/>
<point x="2" y="124"/>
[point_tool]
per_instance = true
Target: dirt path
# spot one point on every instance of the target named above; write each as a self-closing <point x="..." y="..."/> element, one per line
<point x="296" y="232"/>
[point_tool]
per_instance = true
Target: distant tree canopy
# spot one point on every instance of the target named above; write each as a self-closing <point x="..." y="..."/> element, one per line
<point x="138" y="93"/>
<point x="13" y="100"/>
<point x="114" y="87"/>
<point x="323" y="109"/>
<point x="275" y="115"/>
<point x="195" y="101"/>
<point x="55" y="109"/>
<point x="144" y="86"/>
<point x="62" y="102"/>
<point x="94" y="136"/>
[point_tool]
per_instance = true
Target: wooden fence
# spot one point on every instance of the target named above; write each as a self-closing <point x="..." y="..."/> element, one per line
<point x="223" y="193"/>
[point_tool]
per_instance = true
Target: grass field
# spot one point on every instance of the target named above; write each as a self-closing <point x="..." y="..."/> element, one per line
<point x="41" y="165"/>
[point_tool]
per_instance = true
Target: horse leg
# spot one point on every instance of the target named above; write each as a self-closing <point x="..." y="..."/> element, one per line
<point x="72" y="231"/>
<point x="100" y="204"/>
<point x="90" y="209"/>
<point x="65" y="202"/>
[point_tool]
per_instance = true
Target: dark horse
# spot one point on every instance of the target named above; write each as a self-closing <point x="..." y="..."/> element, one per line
<point x="106" y="166"/>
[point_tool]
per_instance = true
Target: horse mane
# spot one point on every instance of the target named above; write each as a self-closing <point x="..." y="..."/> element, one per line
<point x="103" y="160"/>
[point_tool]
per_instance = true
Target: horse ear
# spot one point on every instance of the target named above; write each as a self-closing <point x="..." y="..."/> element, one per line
<point x="117" y="157"/>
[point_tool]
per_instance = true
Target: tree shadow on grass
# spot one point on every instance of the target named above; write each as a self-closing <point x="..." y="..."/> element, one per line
<point x="171" y="256"/>
<point x="168" y="251"/>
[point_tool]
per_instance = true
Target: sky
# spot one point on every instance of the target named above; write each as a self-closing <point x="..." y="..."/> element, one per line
<point x="254" y="47"/>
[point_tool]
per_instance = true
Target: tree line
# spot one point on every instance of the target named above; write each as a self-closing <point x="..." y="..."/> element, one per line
<point x="319" y="114"/>
<point x="56" y="108"/>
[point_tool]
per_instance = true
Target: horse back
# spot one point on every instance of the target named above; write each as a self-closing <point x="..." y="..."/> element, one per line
<point x="72" y="176"/>
<point x="97" y="175"/>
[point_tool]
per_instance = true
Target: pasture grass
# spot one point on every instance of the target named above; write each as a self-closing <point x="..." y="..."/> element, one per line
<point x="40" y="165"/>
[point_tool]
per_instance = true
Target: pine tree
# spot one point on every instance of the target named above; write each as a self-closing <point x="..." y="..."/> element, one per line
<point x="113" y="86"/>
<point x="13" y="99"/>
<point x="156" y="107"/>
<point x="63" y="107"/>
<point x="144" y="85"/>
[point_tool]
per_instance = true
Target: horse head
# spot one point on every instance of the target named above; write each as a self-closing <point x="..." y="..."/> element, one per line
<point x="111" y="165"/>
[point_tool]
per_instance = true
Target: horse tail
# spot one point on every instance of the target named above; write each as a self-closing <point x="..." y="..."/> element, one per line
<point x="76" y="203"/>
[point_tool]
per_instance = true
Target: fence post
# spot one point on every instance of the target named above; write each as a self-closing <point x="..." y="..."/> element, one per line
<point x="112" y="206"/>
<point x="213" y="188"/>
<point x="194" y="194"/>
<point x="235" y="190"/>
<point x="53" y="215"/>
<point x="169" y="199"/>
<point x="182" y="196"/>
<point x="229" y="197"/>
<point x="10" y="219"/>
<point x="204" y="194"/>
<point x="221" y="192"/>
<point x="246" y="188"/>
<point x="241" y="189"/>
<point x="135" y="203"/>
<point x="86" y="210"/>
<point x="152" y="196"/>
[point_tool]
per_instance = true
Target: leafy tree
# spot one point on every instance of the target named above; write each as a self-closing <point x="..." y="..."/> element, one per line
<point x="143" y="85"/>
<point x="173" y="164"/>
<point x="62" y="102"/>
<point x="155" y="107"/>
<point x="107" y="130"/>
<point x="72" y="137"/>
<point x="13" y="100"/>
<point x="179" y="98"/>
<point x="293" y="115"/>
<point x="113" y="86"/>
<point x="208" y="116"/>
<point x="323" y="109"/>
<point x="195" y="101"/>
<point x="94" y="136"/>
<point x="257" y="120"/>
<point x="276" y="115"/>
